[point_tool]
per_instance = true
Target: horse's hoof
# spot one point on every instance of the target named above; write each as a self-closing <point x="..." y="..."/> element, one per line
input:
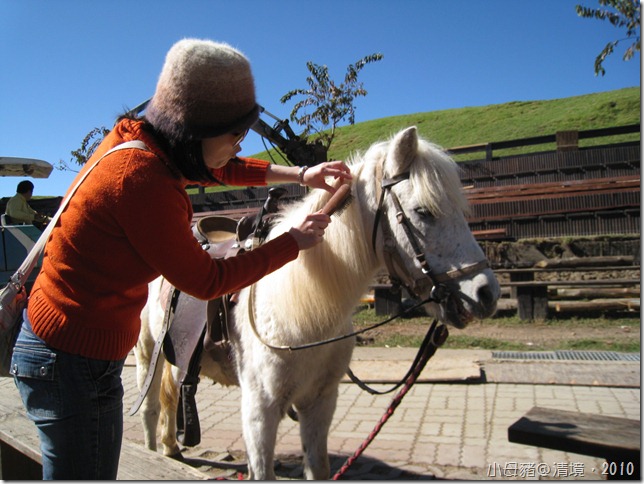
<point x="291" y="412"/>
<point x="178" y="456"/>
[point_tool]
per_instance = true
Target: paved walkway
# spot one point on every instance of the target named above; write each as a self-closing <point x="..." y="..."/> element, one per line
<point x="452" y="424"/>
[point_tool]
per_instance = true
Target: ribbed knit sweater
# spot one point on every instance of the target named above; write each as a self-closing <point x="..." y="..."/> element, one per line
<point x="128" y="223"/>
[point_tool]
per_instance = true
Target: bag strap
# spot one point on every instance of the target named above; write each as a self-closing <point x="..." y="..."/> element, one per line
<point x="22" y="274"/>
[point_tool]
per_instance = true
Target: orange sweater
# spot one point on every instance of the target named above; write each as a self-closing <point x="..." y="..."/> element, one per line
<point x="128" y="223"/>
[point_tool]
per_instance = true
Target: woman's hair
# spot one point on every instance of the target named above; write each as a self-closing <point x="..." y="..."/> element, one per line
<point x="186" y="155"/>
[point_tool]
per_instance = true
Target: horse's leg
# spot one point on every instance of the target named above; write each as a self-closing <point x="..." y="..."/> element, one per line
<point x="260" y="420"/>
<point x="315" y="418"/>
<point x="169" y="403"/>
<point x="151" y="407"/>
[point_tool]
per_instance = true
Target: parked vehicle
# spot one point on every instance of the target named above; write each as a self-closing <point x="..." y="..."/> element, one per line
<point x="17" y="240"/>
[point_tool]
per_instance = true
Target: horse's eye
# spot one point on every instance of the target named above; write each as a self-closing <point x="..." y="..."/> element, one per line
<point x="423" y="212"/>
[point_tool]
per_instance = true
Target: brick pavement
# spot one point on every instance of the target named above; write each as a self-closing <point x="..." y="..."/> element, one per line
<point x="440" y="430"/>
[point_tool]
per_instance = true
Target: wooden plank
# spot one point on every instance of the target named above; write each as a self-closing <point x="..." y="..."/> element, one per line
<point x="632" y="180"/>
<point x="588" y="263"/>
<point x="560" y="188"/>
<point x="17" y="431"/>
<point x="583" y="208"/>
<point x="612" y="438"/>
<point x="569" y="269"/>
<point x="489" y="233"/>
<point x="623" y="304"/>
<point x="597" y="293"/>
<point x="582" y="283"/>
<point x="139" y="463"/>
<point x="539" y="195"/>
<point x="20" y="456"/>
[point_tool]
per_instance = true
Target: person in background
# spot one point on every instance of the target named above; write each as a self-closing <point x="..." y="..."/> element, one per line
<point x="18" y="209"/>
<point x="128" y="223"/>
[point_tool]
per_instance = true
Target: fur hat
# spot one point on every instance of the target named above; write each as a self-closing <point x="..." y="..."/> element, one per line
<point x="205" y="89"/>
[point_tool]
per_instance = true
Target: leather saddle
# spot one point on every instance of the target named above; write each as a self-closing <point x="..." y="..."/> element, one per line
<point x="196" y="321"/>
<point x="197" y="326"/>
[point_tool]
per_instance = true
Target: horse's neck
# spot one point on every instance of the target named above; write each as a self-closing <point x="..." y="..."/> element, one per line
<point x="336" y="272"/>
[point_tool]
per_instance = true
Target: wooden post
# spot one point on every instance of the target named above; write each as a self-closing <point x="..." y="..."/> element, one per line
<point x="532" y="301"/>
<point x="488" y="151"/>
<point x="540" y="303"/>
<point x="567" y="140"/>
<point x="523" y="295"/>
<point x="387" y="299"/>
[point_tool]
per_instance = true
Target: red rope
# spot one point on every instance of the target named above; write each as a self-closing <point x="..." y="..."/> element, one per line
<point x="428" y="352"/>
<point x="433" y="342"/>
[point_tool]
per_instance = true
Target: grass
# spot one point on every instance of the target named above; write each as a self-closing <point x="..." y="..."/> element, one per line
<point x="500" y="122"/>
<point x="409" y="333"/>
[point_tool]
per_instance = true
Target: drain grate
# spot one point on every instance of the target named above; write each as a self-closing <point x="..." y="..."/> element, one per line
<point x="565" y="355"/>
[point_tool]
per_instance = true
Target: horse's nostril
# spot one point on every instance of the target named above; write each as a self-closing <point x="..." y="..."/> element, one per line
<point x="486" y="296"/>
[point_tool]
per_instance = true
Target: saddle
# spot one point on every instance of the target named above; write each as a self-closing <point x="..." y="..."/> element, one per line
<point x="197" y="326"/>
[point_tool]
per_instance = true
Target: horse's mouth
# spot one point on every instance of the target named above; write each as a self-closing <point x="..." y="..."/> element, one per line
<point x="456" y="314"/>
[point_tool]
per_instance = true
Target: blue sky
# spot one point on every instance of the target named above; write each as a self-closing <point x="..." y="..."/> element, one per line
<point x="71" y="65"/>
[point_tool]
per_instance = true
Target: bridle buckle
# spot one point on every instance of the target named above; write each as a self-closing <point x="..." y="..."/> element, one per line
<point x="439" y="293"/>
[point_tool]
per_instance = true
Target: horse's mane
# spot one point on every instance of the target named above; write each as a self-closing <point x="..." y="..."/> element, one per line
<point x="327" y="279"/>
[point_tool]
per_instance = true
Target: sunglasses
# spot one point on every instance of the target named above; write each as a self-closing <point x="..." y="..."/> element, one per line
<point x="240" y="138"/>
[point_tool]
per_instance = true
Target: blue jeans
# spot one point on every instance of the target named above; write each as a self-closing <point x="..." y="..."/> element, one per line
<point x="76" y="404"/>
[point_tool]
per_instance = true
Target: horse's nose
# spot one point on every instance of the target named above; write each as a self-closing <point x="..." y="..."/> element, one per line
<point x="487" y="296"/>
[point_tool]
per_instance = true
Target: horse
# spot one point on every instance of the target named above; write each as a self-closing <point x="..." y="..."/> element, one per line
<point x="406" y="214"/>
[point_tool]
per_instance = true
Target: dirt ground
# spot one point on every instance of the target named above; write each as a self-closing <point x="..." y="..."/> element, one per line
<point x="531" y="335"/>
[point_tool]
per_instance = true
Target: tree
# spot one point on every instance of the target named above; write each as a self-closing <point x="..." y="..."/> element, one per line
<point x="331" y="103"/>
<point x="626" y="14"/>
<point x="87" y="148"/>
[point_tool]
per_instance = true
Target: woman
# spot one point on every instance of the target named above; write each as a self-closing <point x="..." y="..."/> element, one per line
<point x="128" y="223"/>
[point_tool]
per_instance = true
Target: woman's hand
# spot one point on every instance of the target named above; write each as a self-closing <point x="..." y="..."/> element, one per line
<point x="315" y="176"/>
<point x="311" y="231"/>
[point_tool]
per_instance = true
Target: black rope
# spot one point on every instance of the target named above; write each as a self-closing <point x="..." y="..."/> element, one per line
<point x="355" y="333"/>
<point x="429" y="339"/>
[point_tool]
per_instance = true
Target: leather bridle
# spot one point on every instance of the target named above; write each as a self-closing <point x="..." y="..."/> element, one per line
<point x="439" y="291"/>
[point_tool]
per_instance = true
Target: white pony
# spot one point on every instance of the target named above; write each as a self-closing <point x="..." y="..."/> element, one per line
<point x="313" y="297"/>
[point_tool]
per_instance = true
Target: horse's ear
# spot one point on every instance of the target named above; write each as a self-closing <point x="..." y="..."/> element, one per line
<point x="402" y="151"/>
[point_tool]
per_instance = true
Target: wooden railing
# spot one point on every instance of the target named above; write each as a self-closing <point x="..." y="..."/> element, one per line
<point x="565" y="140"/>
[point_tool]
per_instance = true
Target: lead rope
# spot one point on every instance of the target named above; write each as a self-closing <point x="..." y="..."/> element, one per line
<point x="435" y="337"/>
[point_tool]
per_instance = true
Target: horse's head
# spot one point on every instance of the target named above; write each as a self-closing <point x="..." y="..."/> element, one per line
<point x="420" y="232"/>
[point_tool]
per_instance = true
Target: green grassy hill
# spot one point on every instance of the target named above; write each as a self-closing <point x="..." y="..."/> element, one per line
<point x="498" y="122"/>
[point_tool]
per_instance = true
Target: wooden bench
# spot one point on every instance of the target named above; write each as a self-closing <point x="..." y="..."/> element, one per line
<point x="532" y="295"/>
<point x="612" y="438"/>
<point x="20" y="456"/>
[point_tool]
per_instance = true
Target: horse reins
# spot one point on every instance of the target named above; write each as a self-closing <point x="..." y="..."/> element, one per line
<point x="335" y="339"/>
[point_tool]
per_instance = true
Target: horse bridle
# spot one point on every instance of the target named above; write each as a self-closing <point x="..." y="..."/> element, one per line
<point x="439" y="291"/>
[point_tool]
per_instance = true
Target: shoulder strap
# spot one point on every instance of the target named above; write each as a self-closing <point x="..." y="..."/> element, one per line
<point x="21" y="275"/>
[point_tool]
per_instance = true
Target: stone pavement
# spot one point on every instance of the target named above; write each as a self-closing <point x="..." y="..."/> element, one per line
<point x="451" y="425"/>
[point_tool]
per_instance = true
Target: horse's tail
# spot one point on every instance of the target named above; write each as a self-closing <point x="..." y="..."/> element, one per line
<point x="169" y="394"/>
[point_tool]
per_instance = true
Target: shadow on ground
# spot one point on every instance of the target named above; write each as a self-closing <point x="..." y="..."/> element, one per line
<point x="290" y="467"/>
